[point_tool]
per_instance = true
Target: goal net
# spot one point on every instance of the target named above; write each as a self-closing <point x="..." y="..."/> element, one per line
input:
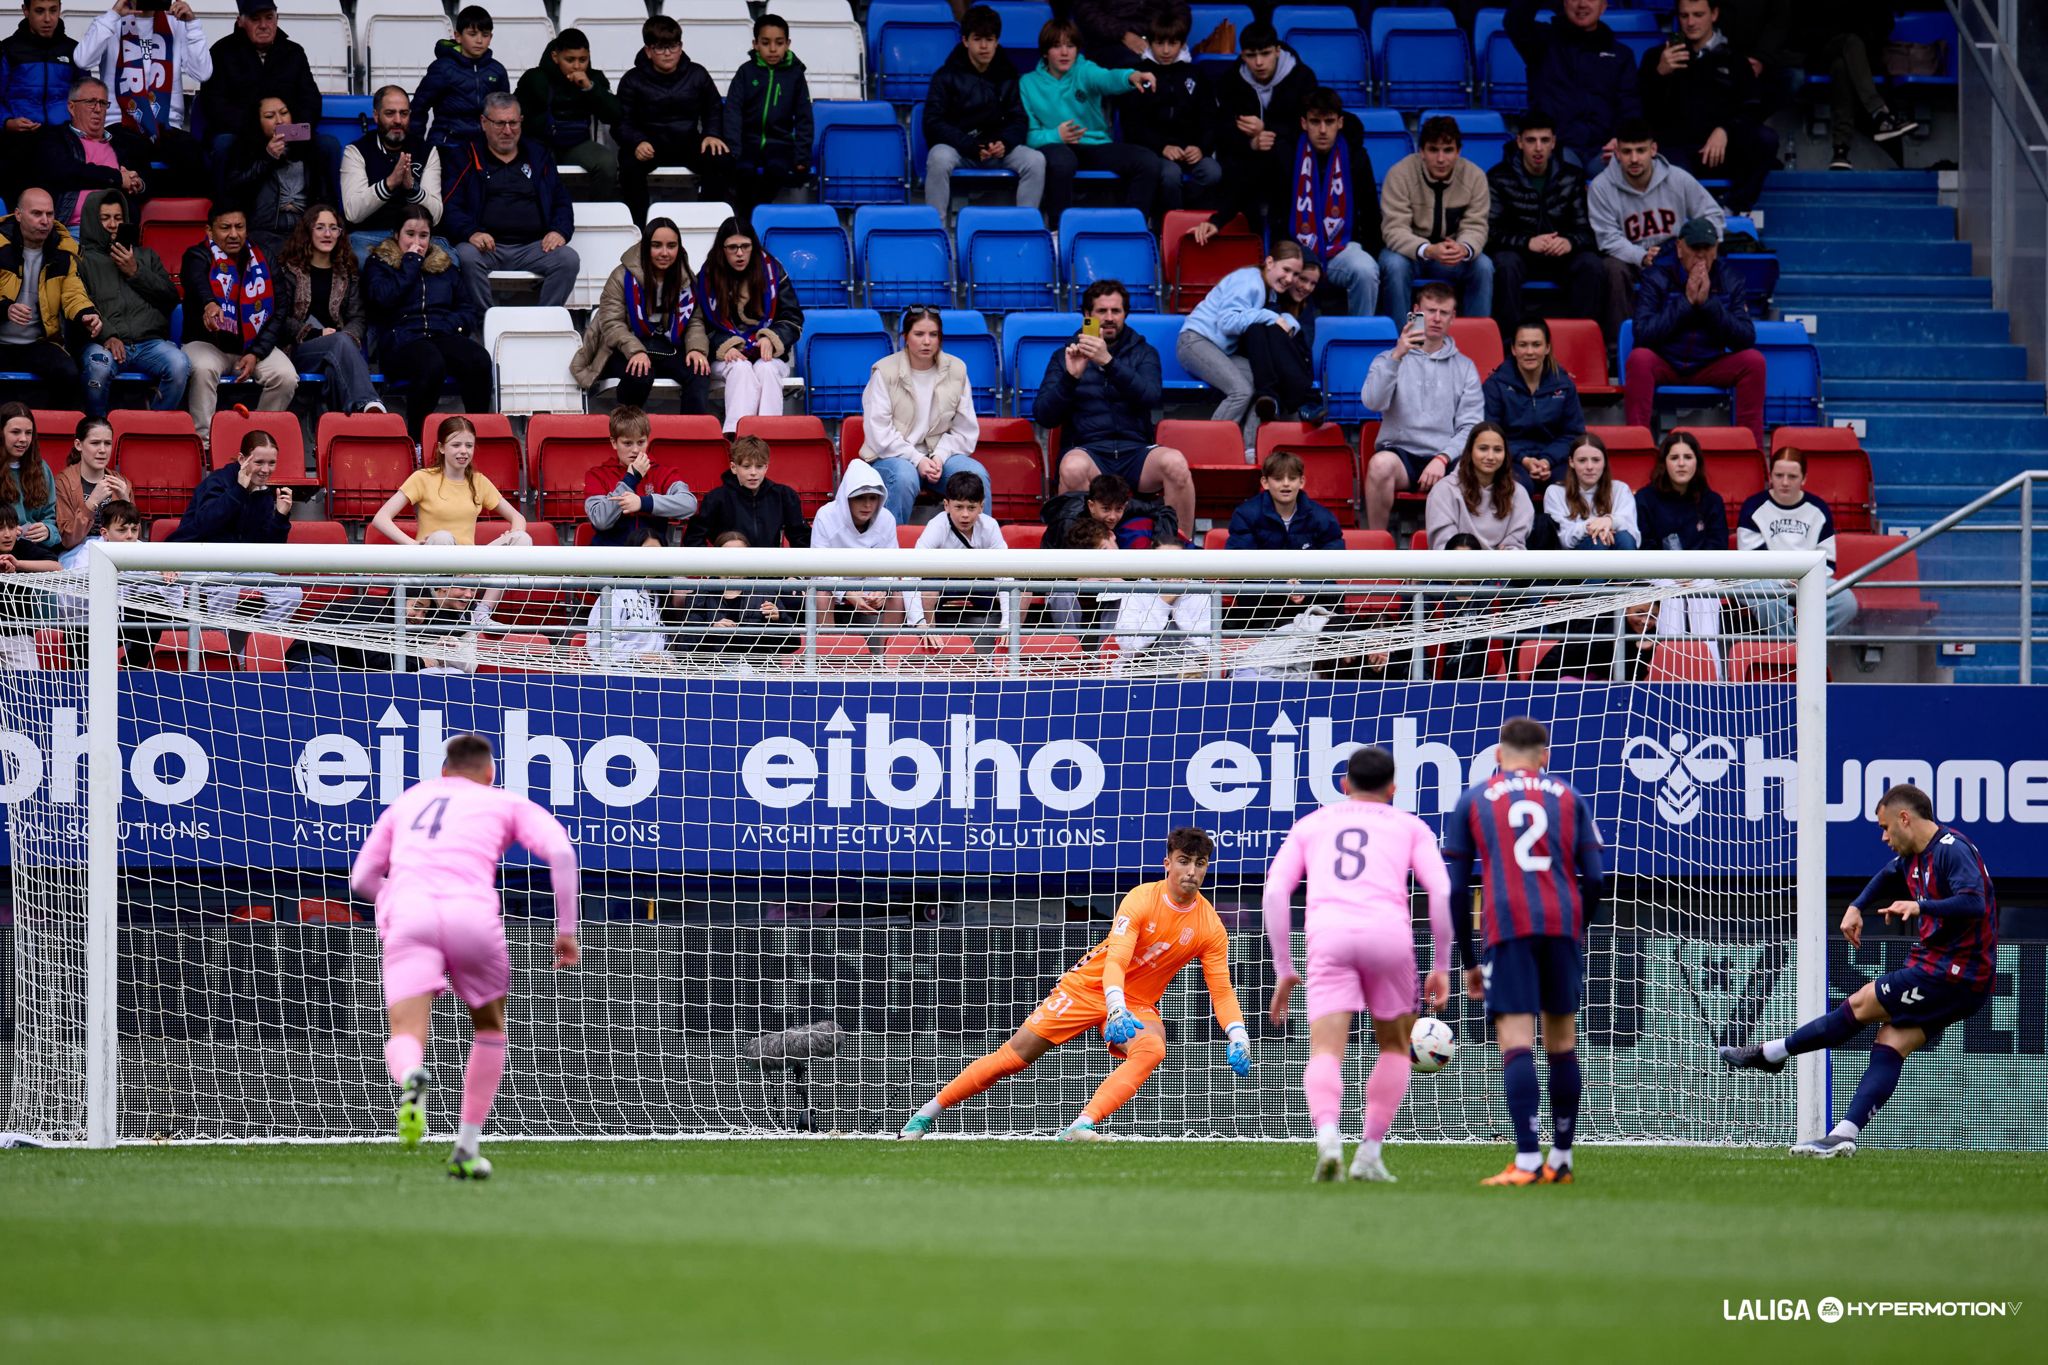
<point x="845" y="817"/>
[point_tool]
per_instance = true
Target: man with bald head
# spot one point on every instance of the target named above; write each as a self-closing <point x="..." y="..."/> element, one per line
<point x="40" y="290"/>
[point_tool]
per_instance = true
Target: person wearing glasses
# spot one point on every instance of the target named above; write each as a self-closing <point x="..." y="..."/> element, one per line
<point x="507" y="208"/>
<point x="74" y="158"/>
<point x="919" y="428"/>
<point x="745" y="322"/>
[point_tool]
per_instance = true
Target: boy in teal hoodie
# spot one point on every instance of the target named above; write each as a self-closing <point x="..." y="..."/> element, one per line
<point x="1062" y="99"/>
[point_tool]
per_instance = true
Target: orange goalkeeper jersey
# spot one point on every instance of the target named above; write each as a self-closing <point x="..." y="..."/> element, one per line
<point x="1151" y="940"/>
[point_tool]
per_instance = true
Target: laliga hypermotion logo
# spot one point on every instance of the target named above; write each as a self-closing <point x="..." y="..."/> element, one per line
<point x="1680" y="771"/>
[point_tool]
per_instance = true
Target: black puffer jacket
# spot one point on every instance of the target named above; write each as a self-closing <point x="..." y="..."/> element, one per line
<point x="1179" y="112"/>
<point x="1715" y="89"/>
<point x="243" y="77"/>
<point x="681" y="107"/>
<point x="968" y="109"/>
<point x="1525" y="208"/>
<point x="766" y="517"/>
<point x="1236" y="98"/>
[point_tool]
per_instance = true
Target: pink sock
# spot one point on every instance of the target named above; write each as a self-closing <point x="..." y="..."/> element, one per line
<point x="480" y="1080"/>
<point x="1383" y="1091"/>
<point x="402" y="1052"/>
<point x="1323" y="1081"/>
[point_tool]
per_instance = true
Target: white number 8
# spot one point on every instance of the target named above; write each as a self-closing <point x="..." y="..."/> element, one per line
<point x="1532" y="814"/>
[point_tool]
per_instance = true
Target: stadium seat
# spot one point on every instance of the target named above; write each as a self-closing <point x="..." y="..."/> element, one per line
<point x="604" y="233"/>
<point x="1110" y="244"/>
<point x="364" y="457"/>
<point x="1483" y="130"/>
<point x="967" y="336"/>
<point x="860" y="152"/>
<point x="560" y="449"/>
<point x="531" y="349"/>
<point x="1006" y="260"/>
<point x="498" y="457"/>
<point x="56" y="432"/>
<point x="904" y="256"/>
<point x="1678" y="659"/>
<point x="1029" y="341"/>
<point x="834" y="48"/>
<point x="811" y="244"/>
<point x="343" y="118"/>
<point x="1639" y="31"/>
<point x="801" y="456"/>
<point x="1763" y="661"/>
<point x="230" y="426"/>
<point x="1024" y="535"/>
<point x="171" y="226"/>
<point x="1329" y="466"/>
<point x="1386" y="140"/>
<point x="1682" y="391"/>
<point x="1421" y="57"/>
<point x="1328" y="37"/>
<point x="1581" y="352"/>
<point x="1479" y="341"/>
<point x="1189" y="271"/>
<point x="1837" y="472"/>
<point x="323" y="30"/>
<point x="837" y="349"/>
<point x="693" y="445"/>
<point x="1502" y="74"/>
<point x="398" y="38"/>
<point x="175" y="650"/>
<point x="1008" y="449"/>
<point x="1021" y="21"/>
<point x="1628" y="440"/>
<point x="1792" y="379"/>
<point x="908" y="40"/>
<point x="264" y="653"/>
<point x="1203" y="21"/>
<point x="1928" y="28"/>
<point x="316" y="533"/>
<point x="1343" y="351"/>
<point x="697" y="223"/>
<point x="160" y="455"/>
<point x="906" y="538"/>
<point x="1163" y="331"/>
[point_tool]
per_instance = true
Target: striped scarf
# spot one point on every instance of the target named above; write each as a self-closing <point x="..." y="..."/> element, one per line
<point x="1322" y="203"/>
<point x="707" y="299"/>
<point x="636" y="311"/>
<point x="244" y="296"/>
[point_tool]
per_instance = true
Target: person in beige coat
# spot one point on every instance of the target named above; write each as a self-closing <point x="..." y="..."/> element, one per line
<point x="639" y="332"/>
<point x="918" y="427"/>
<point x="1433" y="215"/>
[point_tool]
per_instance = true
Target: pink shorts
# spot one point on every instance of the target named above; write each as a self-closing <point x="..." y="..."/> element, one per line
<point x="1361" y="971"/>
<point x="427" y="949"/>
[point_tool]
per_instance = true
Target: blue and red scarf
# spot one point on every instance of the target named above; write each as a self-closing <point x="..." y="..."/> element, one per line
<point x="1322" y="202"/>
<point x="244" y="294"/>
<point x="707" y="299"/>
<point x="636" y="311"/>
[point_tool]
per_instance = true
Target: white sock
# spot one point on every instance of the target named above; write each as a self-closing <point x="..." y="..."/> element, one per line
<point x="1329" y="1135"/>
<point x="468" y="1137"/>
<point x="1368" y="1150"/>
<point x="1845" y="1129"/>
<point x="1082" y="1121"/>
<point x="1528" y="1161"/>
<point x="1774" y="1050"/>
<point x="931" y="1110"/>
<point x="1560" y="1158"/>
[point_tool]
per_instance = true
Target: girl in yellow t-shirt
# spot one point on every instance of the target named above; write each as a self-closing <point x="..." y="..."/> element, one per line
<point x="450" y="495"/>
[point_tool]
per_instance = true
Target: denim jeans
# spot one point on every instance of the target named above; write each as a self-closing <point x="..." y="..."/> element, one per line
<point x="1399" y="275"/>
<point x="1354" y="271"/>
<point x="162" y="360"/>
<point x="901" y="481"/>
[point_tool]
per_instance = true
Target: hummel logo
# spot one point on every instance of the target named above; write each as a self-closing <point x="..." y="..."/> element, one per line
<point x="1912" y="997"/>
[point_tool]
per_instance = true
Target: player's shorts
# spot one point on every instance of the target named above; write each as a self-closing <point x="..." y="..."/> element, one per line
<point x="1917" y="998"/>
<point x="427" y="950"/>
<point x="1125" y="459"/>
<point x="1067" y="1014"/>
<point x="1534" y="974"/>
<point x="1362" y="971"/>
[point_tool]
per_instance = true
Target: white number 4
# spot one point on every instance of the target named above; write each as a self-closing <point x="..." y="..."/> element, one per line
<point x="1532" y="814"/>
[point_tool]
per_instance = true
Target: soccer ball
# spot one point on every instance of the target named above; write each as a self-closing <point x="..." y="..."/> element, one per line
<point x="1432" y="1045"/>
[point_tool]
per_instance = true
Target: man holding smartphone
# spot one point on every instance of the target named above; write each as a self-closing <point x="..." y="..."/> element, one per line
<point x="1703" y="99"/>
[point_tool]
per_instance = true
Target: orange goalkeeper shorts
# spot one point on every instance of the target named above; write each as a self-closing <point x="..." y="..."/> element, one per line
<point x="1068" y="1013"/>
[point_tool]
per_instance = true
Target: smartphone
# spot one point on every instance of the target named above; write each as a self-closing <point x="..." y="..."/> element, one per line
<point x="149" y="6"/>
<point x="295" y="132"/>
<point x="1091" y="327"/>
<point x="1415" y="325"/>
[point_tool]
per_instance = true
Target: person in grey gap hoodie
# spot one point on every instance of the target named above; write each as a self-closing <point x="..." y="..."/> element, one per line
<point x="1637" y="206"/>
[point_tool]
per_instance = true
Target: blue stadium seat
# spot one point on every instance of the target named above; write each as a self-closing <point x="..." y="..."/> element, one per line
<point x="1021" y="21"/>
<point x="1931" y="26"/>
<point x="1693" y="391"/>
<point x="1006" y="260"/>
<point x="1758" y="269"/>
<point x="1202" y="21"/>
<point x="904" y="256"/>
<point x="346" y="117"/>
<point x="1334" y="45"/>
<point x="908" y="40"/>
<point x="1423" y="66"/>
<point x="811" y="245"/>
<point x="860" y="151"/>
<point x="1792" y="374"/>
<point x="1386" y="139"/>
<point x="968" y="337"/>
<point x="1483" y="129"/>
<point x="1110" y="244"/>
<point x="1029" y="340"/>
<point x="837" y="349"/>
<point x="1344" y="349"/>
<point x="1163" y="331"/>
<point x="1639" y="30"/>
<point x="1502" y="72"/>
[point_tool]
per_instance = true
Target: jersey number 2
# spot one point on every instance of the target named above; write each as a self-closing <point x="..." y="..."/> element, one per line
<point x="1350" y="864"/>
<point x="1532" y="814"/>
<point x="436" y="808"/>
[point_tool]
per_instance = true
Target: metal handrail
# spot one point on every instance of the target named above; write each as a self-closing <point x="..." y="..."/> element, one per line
<point x="2034" y="139"/>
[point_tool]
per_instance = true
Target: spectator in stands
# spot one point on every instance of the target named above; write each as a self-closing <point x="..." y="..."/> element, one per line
<point x="1169" y="620"/>
<point x="856" y="519"/>
<point x="1703" y="98"/>
<point x="255" y="61"/>
<point x="85" y="485"/>
<point x="1481" y="498"/>
<point x="1579" y="71"/>
<point x="1782" y="517"/>
<point x="918" y="423"/>
<point x="626" y="628"/>
<point x="35" y="86"/>
<point x="426" y="321"/>
<point x="563" y="98"/>
<point x="41" y="292"/>
<point x="74" y="158"/>
<point x="1134" y="521"/>
<point x="669" y="115"/>
<point x="135" y="295"/>
<point x="508" y="208"/>
<point x="1845" y="41"/>
<point x="749" y="502"/>
<point x="1260" y="105"/>
<point x="636" y="336"/>
<point x="768" y="119"/>
<point x="1212" y="340"/>
<point x="1282" y="354"/>
<point x="1430" y="396"/>
<point x="1102" y="389"/>
<point x="1534" y="401"/>
<point x="1435" y="209"/>
<point x="631" y="496"/>
<point x="150" y="599"/>
<point x="1540" y="230"/>
<point x="974" y="116"/>
<point x="1081" y="612"/>
<point x="1680" y="511"/>
<point x="386" y="172"/>
<point x="1299" y="303"/>
<point x="1112" y="33"/>
<point x="275" y="173"/>
<point x="233" y="324"/>
<point x="1178" y="120"/>
<point x="1636" y="206"/>
<point x="1591" y="509"/>
<point x="21" y="609"/>
<point x="26" y="488"/>
<point x="746" y="322"/>
<point x="237" y="504"/>
<point x="1693" y="327"/>
<point x="1281" y="516"/>
<point x="1063" y="100"/>
<point x="147" y="58"/>
<point x="738" y="619"/>
<point x="460" y="82"/>
<point x="326" y="318"/>
<point x="962" y="525"/>
<point x="449" y="495"/>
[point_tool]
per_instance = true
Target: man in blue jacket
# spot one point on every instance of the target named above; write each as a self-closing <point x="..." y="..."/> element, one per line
<point x="507" y="208"/>
<point x="1693" y="327"/>
<point x="1579" y="71"/>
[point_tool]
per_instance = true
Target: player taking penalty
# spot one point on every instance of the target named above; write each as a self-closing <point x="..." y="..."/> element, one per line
<point x="1539" y="856"/>
<point x="431" y="866"/>
<point x="1939" y="887"/>
<point x="1159" y="928"/>
<point x="1358" y="856"/>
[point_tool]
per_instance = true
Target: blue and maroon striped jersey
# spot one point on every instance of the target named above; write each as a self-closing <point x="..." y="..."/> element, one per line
<point x="1535" y="839"/>
<point x="1958" y="919"/>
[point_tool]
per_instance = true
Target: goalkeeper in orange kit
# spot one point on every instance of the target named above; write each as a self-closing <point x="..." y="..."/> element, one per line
<point x="1160" y="927"/>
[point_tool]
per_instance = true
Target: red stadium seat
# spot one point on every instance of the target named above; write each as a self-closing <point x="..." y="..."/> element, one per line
<point x="907" y="536"/>
<point x="230" y="425"/>
<point x="1581" y="351"/>
<point x="1191" y="271"/>
<point x="159" y="454"/>
<point x="265" y="654"/>
<point x="1627" y="440"/>
<point x="366" y="456"/>
<point x="1008" y="449"/>
<point x="560" y="448"/>
<point x="1479" y="341"/>
<point x="169" y="226"/>
<point x="1216" y="538"/>
<point x="1358" y="539"/>
<point x="1632" y="467"/>
<point x="316" y="533"/>
<point x="56" y="429"/>
<point x="540" y="648"/>
<point x="173" y="648"/>
<point x="1529" y="657"/>
<point x="53" y="655"/>
<point x="1763" y="661"/>
<point x="1837" y="472"/>
<point x="1024" y="535"/>
<point x="498" y="457"/>
<point x="692" y="445"/>
<point x="800" y="455"/>
<point x="1215" y="455"/>
<point x="1329" y="466"/>
<point x="1873" y="596"/>
<point x="1683" y="660"/>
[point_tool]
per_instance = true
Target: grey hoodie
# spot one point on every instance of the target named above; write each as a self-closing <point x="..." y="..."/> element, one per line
<point x="1626" y="219"/>
<point x="1430" y="401"/>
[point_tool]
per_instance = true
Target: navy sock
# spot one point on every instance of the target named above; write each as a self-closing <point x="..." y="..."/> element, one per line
<point x="1524" y="1095"/>
<point x="1880" y="1079"/>
<point x="1832" y="1029"/>
<point x="1565" y="1085"/>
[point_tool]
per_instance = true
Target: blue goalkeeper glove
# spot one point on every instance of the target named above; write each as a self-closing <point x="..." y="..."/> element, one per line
<point x="1122" y="1026"/>
<point x="1240" y="1052"/>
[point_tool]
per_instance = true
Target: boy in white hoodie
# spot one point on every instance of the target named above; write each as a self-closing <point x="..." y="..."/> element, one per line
<point x="855" y="519"/>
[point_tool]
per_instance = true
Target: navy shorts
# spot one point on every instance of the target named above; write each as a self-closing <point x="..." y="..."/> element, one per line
<point x="1917" y="998"/>
<point x="1126" y="461"/>
<point x="1536" y="974"/>
<point x="1414" y="464"/>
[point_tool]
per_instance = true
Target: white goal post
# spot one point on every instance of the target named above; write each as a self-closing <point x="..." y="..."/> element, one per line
<point x="823" y="872"/>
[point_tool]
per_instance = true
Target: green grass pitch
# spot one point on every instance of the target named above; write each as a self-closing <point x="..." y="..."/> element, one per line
<point x="828" y="1251"/>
